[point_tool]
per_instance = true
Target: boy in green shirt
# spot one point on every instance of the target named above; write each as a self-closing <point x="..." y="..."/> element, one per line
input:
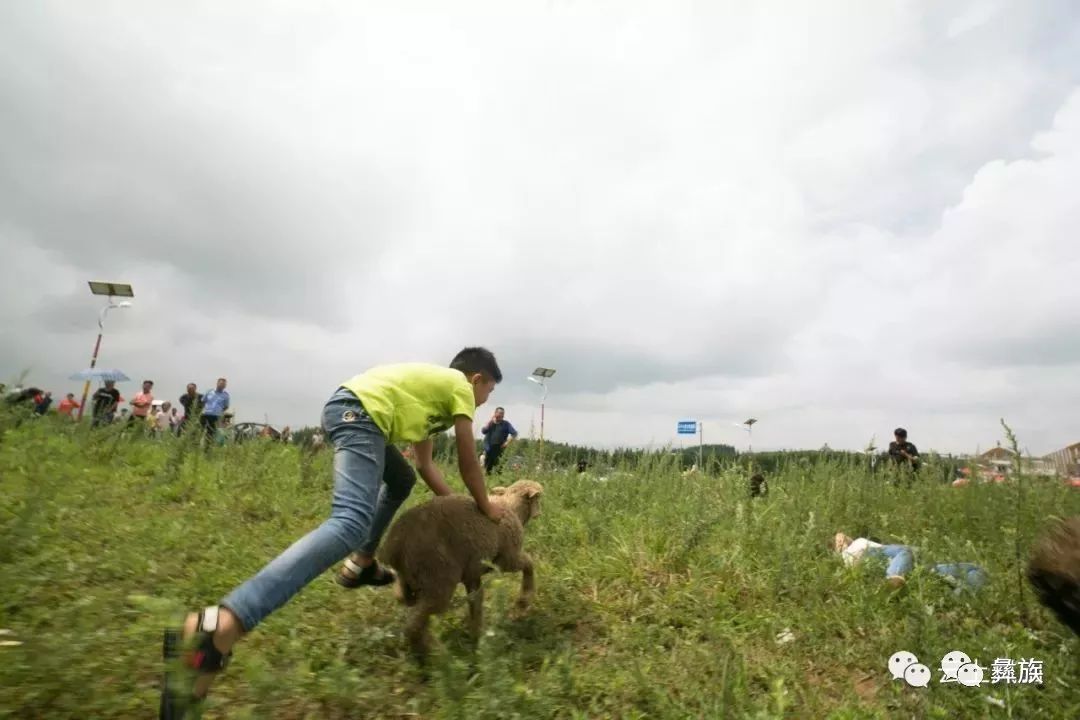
<point x="407" y="403"/>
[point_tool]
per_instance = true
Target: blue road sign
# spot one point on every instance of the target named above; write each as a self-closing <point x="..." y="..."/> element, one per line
<point x="688" y="427"/>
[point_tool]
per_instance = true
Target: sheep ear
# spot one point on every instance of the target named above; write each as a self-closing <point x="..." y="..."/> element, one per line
<point x="499" y="490"/>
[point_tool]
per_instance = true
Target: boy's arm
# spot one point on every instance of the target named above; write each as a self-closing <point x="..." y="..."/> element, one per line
<point x="470" y="468"/>
<point x="430" y="472"/>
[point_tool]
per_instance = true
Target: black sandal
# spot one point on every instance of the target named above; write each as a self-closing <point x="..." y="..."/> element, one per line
<point x="200" y="657"/>
<point x="370" y="575"/>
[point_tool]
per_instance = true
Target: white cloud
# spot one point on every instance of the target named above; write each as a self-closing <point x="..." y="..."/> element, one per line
<point x="839" y="218"/>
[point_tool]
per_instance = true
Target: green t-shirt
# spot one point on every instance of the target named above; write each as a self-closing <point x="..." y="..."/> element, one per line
<point x="410" y="402"/>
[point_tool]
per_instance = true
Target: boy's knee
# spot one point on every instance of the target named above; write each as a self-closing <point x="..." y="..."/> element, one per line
<point x="351" y="529"/>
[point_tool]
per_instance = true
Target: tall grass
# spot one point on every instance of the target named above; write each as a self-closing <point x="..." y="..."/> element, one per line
<point x="661" y="595"/>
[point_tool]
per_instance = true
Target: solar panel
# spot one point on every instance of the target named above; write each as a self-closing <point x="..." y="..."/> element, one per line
<point x="111" y="289"/>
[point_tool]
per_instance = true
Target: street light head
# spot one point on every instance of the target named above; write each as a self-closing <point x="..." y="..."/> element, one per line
<point x="111" y="289"/>
<point x="532" y="379"/>
<point x="123" y="304"/>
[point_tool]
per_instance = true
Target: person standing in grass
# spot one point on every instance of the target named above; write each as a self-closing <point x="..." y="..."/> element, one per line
<point x="68" y="404"/>
<point x="142" y="403"/>
<point x="903" y="452"/>
<point x="162" y="419"/>
<point x="215" y="403"/>
<point x="498" y="434"/>
<point x="104" y="403"/>
<point x="192" y="404"/>
<point x="363" y="419"/>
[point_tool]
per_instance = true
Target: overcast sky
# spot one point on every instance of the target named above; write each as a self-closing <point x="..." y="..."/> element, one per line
<point x="837" y="217"/>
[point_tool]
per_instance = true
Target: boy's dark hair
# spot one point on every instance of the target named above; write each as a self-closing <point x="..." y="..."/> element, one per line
<point x="477" y="360"/>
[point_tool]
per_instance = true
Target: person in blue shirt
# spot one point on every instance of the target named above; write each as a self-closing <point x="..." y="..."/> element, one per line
<point x="215" y="403"/>
<point x="498" y="433"/>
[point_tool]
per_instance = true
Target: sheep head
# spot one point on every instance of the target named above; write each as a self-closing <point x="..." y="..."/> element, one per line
<point x="523" y="497"/>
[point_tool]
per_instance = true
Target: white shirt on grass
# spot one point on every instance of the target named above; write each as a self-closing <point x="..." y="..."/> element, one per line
<point x="854" y="552"/>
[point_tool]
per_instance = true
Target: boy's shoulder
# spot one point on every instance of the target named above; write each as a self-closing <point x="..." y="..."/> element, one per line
<point x="415" y="371"/>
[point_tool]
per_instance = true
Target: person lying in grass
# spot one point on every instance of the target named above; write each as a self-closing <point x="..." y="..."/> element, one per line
<point x="363" y="419"/>
<point x="901" y="560"/>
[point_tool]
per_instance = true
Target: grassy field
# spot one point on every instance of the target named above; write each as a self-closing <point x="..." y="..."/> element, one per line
<point x="659" y="596"/>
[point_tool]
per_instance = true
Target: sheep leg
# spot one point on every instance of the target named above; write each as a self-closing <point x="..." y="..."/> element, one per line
<point x="416" y="629"/>
<point x="475" y="589"/>
<point x="417" y="632"/>
<point x="523" y="563"/>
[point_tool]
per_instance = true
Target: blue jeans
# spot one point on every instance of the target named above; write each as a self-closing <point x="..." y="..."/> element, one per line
<point x="901" y="560"/>
<point x="371" y="481"/>
<point x="964" y="576"/>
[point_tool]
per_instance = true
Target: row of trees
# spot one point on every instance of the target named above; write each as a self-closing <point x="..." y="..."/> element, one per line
<point x="528" y="453"/>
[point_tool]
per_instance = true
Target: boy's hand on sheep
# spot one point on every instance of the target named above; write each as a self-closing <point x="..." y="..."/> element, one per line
<point x="494" y="511"/>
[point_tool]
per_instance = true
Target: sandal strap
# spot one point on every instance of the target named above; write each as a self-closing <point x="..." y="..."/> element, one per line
<point x="206" y="658"/>
<point x="353" y="567"/>
<point x="208" y="619"/>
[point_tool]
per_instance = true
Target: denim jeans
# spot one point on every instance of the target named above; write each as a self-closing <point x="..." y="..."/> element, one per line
<point x="964" y="576"/>
<point x="901" y="560"/>
<point x="371" y="481"/>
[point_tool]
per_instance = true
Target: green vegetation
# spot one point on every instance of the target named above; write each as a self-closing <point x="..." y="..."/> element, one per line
<point x="659" y="595"/>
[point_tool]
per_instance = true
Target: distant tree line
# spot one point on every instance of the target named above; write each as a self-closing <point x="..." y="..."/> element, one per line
<point x="714" y="457"/>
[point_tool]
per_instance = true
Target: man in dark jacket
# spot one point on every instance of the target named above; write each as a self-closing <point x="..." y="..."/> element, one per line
<point x="498" y="433"/>
<point x="901" y="451"/>
<point x="192" y="403"/>
<point x="104" y="403"/>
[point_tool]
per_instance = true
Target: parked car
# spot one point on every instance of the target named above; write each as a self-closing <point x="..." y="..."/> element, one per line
<point x="250" y="431"/>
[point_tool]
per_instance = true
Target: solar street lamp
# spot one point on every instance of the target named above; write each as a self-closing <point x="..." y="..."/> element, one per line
<point x="540" y="376"/>
<point x="748" y="425"/>
<point x="111" y="290"/>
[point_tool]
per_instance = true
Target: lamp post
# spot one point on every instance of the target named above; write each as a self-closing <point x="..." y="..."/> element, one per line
<point x="748" y="425"/>
<point x="540" y="376"/>
<point x="111" y="290"/>
<point x="750" y="434"/>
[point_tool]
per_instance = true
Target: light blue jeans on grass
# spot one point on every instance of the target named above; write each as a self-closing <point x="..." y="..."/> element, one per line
<point x="371" y="481"/>
<point x="901" y="559"/>
<point x="964" y="576"/>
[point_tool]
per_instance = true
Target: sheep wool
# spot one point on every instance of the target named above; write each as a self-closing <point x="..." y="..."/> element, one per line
<point x="446" y="541"/>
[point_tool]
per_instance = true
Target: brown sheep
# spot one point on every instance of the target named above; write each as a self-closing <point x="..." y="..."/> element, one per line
<point x="434" y="546"/>
<point x="1054" y="571"/>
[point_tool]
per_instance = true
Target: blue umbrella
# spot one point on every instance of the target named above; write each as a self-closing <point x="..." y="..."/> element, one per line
<point x="100" y="374"/>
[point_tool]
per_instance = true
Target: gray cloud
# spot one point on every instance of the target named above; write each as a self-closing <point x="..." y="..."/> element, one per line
<point x="1025" y="347"/>
<point x="832" y="218"/>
